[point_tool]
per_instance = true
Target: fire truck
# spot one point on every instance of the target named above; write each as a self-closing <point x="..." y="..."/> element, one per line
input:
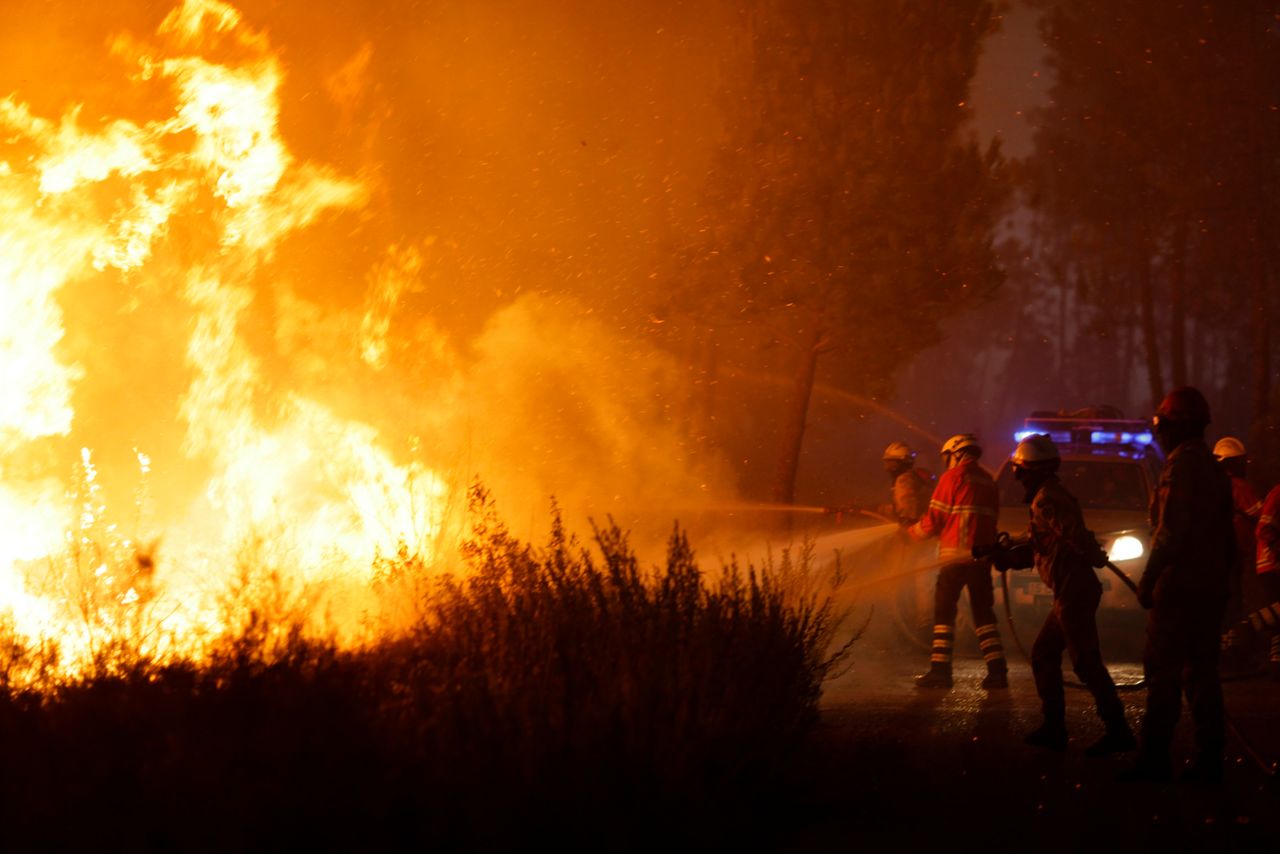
<point x="1111" y="464"/>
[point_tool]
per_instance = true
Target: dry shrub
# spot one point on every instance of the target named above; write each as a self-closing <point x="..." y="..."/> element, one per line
<point x="562" y="691"/>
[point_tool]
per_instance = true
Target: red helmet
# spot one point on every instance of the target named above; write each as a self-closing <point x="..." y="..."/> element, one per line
<point x="1186" y="405"/>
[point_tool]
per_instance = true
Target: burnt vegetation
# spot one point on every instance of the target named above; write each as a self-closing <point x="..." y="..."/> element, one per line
<point x="558" y="692"/>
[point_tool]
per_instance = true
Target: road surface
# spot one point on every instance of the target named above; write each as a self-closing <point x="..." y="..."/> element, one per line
<point x="896" y="768"/>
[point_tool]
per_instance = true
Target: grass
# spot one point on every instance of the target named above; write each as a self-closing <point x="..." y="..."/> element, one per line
<point x="563" y="692"/>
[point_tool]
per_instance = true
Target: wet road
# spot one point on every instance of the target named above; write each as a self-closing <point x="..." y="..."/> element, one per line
<point x="893" y="765"/>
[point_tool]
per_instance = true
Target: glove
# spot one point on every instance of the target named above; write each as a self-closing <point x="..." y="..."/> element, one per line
<point x="992" y="550"/>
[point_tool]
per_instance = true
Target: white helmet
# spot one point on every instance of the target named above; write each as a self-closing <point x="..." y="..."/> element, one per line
<point x="898" y="451"/>
<point x="960" y="442"/>
<point x="1228" y="447"/>
<point x="1035" y="451"/>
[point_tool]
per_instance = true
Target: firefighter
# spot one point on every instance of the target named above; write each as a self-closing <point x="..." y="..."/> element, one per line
<point x="962" y="514"/>
<point x="911" y="488"/>
<point x="1064" y="553"/>
<point x="1230" y="453"/>
<point x="1267" y="534"/>
<point x="1185" y="587"/>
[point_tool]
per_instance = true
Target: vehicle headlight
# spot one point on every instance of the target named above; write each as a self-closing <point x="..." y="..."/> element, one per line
<point x="1125" y="548"/>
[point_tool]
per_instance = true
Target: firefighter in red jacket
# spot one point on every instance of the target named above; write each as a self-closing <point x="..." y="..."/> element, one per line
<point x="1065" y="553"/>
<point x="962" y="514"/>
<point x="1230" y="453"/>
<point x="911" y="488"/>
<point x="1185" y="588"/>
<point x="1267" y="534"/>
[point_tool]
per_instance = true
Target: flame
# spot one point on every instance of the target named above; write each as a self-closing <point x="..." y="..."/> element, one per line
<point x="188" y="207"/>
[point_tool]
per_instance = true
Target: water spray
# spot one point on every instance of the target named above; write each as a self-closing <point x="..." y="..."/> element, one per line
<point x="849" y="397"/>
<point x="810" y="509"/>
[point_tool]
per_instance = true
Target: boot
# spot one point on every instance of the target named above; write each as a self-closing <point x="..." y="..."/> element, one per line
<point x="939" y="676"/>
<point x="995" y="680"/>
<point x="1117" y="740"/>
<point x="1050" y="736"/>
<point x="993" y="653"/>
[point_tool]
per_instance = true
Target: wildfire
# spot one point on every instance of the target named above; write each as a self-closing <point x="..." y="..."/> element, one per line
<point x="186" y="207"/>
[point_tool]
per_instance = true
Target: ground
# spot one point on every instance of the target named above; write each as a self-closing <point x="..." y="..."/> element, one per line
<point x="896" y="766"/>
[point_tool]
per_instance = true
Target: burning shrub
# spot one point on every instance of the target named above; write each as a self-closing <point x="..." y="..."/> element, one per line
<point x="561" y="689"/>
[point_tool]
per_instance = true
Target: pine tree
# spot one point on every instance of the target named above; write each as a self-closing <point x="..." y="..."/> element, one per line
<point x="849" y="211"/>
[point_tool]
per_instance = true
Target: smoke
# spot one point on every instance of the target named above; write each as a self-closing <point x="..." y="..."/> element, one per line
<point x="555" y="402"/>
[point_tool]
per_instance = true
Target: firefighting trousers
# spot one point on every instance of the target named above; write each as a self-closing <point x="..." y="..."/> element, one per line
<point x="1072" y="627"/>
<point x="1267" y="618"/>
<point x="952" y="579"/>
<point x="1182" y="655"/>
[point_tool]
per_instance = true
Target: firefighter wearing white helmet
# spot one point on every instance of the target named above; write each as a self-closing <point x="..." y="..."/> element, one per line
<point x="1036" y="451"/>
<point x="1246" y="590"/>
<point x="1227" y="448"/>
<point x="1064" y="553"/>
<point x="911" y="486"/>
<point x="960" y="442"/>
<point x="962" y="514"/>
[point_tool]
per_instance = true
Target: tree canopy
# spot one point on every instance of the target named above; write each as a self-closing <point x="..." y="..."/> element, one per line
<point x="849" y="209"/>
<point x="1155" y="178"/>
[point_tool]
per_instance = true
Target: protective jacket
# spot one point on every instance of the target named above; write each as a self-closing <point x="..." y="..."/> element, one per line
<point x="1193" y="547"/>
<point x="1248" y="509"/>
<point x="911" y="492"/>
<point x="1268" y="533"/>
<point x="962" y="512"/>
<point x="1063" y="551"/>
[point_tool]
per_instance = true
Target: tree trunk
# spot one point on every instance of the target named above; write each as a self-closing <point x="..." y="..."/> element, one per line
<point x="1125" y="372"/>
<point x="796" y="415"/>
<point x="1261" y="304"/>
<point x="1178" y="304"/>
<point x="1155" y="382"/>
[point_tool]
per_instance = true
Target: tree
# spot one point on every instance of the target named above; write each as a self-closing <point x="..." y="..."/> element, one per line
<point x="848" y="212"/>
<point x="1157" y="165"/>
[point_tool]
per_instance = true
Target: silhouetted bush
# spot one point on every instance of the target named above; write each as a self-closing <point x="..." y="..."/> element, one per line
<point x="558" y="693"/>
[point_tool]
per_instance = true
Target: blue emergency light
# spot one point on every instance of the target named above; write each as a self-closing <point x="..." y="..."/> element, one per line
<point x="1108" y="437"/>
<point x="1078" y="431"/>
<point x="1059" y="437"/>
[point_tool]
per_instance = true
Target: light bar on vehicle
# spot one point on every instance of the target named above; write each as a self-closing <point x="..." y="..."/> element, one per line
<point x="1115" y="437"/>
<point x="1059" y="437"/>
<point x="1110" y="433"/>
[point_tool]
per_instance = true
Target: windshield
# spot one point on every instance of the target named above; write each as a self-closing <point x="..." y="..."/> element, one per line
<point x="1096" y="484"/>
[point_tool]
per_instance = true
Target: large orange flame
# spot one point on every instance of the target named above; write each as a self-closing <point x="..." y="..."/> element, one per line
<point x="80" y="199"/>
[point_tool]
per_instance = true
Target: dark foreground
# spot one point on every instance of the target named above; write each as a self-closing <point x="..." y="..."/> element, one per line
<point x="896" y="768"/>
